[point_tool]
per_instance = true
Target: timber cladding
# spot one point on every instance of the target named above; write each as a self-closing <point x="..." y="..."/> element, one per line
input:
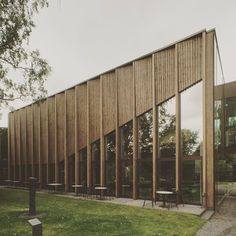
<point x="82" y="115"/>
<point x="61" y="125"/>
<point x="51" y="129"/>
<point x="108" y="102"/>
<point x="43" y="132"/>
<point x="70" y="121"/>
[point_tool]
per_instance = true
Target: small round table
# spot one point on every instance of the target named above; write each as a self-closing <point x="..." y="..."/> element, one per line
<point x="101" y="189"/>
<point x="77" y="186"/>
<point x="164" y="194"/>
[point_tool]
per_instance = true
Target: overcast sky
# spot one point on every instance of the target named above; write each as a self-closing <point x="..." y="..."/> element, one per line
<point x="81" y="39"/>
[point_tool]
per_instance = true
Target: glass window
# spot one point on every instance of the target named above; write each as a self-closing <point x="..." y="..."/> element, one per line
<point x="110" y="157"/>
<point x="96" y="163"/>
<point x="127" y="160"/>
<point x="230" y="118"/>
<point x="145" y="155"/>
<point x="167" y="145"/>
<point x="83" y="166"/>
<point x="71" y="172"/>
<point x="191" y="143"/>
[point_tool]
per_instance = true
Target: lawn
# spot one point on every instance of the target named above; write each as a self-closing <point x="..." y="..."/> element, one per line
<point x="73" y="217"/>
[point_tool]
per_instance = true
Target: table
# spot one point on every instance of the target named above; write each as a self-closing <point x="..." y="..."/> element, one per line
<point x="76" y="186"/>
<point x="101" y="189"/>
<point x="164" y="194"/>
<point x="54" y="185"/>
<point x="15" y="182"/>
<point x="8" y="181"/>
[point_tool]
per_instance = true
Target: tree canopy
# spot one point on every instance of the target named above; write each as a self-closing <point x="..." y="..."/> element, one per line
<point x="22" y="71"/>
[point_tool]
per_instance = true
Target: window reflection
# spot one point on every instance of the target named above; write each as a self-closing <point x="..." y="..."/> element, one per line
<point x="167" y="144"/>
<point x="191" y="143"/>
<point x="145" y="155"/>
<point x="110" y="157"/>
<point x="83" y="167"/>
<point x="126" y="160"/>
<point x="96" y="163"/>
<point x="71" y="172"/>
<point x="230" y="129"/>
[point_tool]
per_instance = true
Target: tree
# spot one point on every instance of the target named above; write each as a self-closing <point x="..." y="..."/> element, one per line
<point x="22" y="71"/>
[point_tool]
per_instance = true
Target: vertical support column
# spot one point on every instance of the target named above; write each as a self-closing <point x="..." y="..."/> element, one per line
<point x="155" y="129"/>
<point x="9" y="147"/>
<point x="20" y="149"/>
<point x="14" y="147"/>
<point x="204" y="115"/>
<point x="32" y="136"/>
<point x="26" y="149"/>
<point x="40" y="158"/>
<point x="135" y="139"/>
<point x="178" y="124"/>
<point x="65" y="146"/>
<point x="209" y="118"/>
<point x="89" y="159"/>
<point x="76" y="139"/>
<point x="47" y="127"/>
<point x="102" y="152"/>
<point x="117" y="141"/>
<point x="56" y="156"/>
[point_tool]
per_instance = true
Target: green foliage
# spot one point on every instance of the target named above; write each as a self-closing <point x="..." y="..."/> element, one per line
<point x="22" y="72"/>
<point x="65" y="216"/>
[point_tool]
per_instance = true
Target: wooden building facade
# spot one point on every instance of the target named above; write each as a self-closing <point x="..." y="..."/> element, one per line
<point x="58" y="139"/>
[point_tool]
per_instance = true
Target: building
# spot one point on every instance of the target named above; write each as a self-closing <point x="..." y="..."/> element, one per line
<point x="143" y="126"/>
<point x="3" y="154"/>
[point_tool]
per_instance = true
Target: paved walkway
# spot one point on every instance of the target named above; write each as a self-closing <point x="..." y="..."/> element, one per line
<point x="223" y="223"/>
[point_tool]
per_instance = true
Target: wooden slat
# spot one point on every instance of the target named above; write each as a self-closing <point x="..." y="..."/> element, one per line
<point x="117" y="140"/>
<point x="135" y="136"/>
<point x="143" y="85"/>
<point x="108" y="102"/>
<point x="155" y="138"/>
<point x="9" y="147"/>
<point x="209" y="118"/>
<point x="164" y="74"/>
<point x="82" y="115"/>
<point x="76" y="137"/>
<point x="102" y="152"/>
<point x="189" y="62"/>
<point x="65" y="142"/>
<point x="125" y="93"/>
<point x="94" y="109"/>
<point x="89" y="158"/>
<point x="178" y="122"/>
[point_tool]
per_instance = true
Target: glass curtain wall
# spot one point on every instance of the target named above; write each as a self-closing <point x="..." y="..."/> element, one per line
<point x="167" y="145"/>
<point x="219" y="130"/>
<point x="83" y="167"/>
<point x="110" y="162"/>
<point x="145" y="125"/>
<point x="96" y="163"/>
<point x="191" y="143"/>
<point x="71" y="172"/>
<point x="126" y="160"/>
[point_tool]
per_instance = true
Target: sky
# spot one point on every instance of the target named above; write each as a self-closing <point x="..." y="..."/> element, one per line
<point x="81" y="39"/>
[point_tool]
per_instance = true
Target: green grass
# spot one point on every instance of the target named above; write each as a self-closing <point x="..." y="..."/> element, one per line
<point x="67" y="217"/>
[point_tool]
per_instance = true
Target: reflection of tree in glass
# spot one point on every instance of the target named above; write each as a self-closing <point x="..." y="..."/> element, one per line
<point x="166" y="132"/>
<point x="127" y="141"/>
<point x="145" y="133"/>
<point x="167" y="137"/>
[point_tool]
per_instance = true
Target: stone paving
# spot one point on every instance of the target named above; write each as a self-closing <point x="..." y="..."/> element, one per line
<point x="223" y="223"/>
